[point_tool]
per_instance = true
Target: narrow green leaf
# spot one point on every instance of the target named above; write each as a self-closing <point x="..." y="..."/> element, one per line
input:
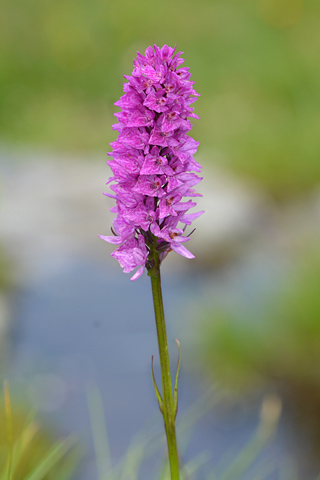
<point x="56" y="453"/>
<point x="99" y="433"/>
<point x="22" y="444"/>
<point x="175" y="392"/>
<point x="158" y="395"/>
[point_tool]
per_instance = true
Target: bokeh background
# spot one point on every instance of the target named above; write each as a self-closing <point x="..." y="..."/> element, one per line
<point x="247" y="309"/>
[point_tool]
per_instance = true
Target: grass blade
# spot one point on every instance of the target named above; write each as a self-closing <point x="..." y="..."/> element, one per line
<point x="56" y="453"/>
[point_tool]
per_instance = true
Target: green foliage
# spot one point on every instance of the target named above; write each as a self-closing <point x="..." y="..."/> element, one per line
<point x="6" y="271"/>
<point x="145" y="445"/>
<point x="28" y="451"/>
<point x="254" y="63"/>
<point x="280" y="345"/>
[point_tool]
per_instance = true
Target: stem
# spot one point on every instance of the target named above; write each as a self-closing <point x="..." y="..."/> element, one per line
<point x="168" y="407"/>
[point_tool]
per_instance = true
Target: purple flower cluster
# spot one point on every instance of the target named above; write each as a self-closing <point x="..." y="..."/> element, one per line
<point x="153" y="160"/>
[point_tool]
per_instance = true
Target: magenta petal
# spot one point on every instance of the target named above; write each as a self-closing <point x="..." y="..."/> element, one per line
<point x="188" y="218"/>
<point x="138" y="274"/>
<point x="114" y="240"/>
<point x="178" y="248"/>
<point x="109" y="195"/>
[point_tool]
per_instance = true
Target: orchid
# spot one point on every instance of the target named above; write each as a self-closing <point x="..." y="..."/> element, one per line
<point x="153" y="160"/>
<point x="152" y="170"/>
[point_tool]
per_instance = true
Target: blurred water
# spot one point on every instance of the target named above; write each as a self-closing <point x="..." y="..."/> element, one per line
<point x="83" y="323"/>
<point x="79" y="322"/>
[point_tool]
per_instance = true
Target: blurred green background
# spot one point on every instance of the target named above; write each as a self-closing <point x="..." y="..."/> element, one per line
<point x="255" y="63"/>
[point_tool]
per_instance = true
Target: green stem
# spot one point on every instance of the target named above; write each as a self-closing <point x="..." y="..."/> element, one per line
<point x="168" y="409"/>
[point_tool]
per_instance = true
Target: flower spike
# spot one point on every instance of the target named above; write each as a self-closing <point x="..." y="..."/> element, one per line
<point x="152" y="161"/>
